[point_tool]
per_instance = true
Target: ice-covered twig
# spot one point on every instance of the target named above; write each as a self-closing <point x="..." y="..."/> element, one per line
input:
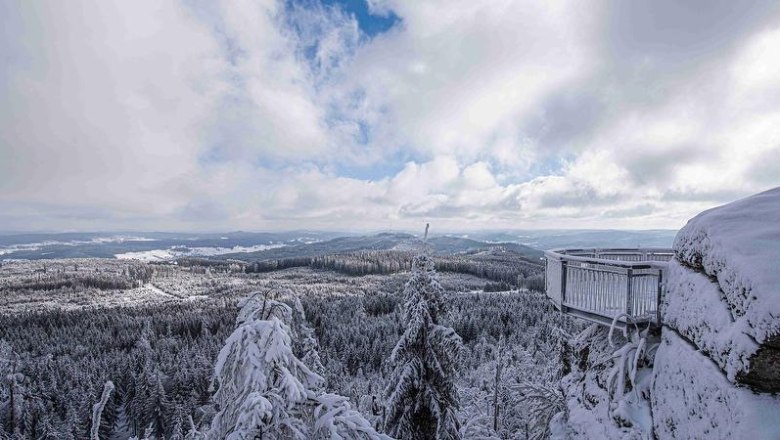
<point x="629" y="320"/>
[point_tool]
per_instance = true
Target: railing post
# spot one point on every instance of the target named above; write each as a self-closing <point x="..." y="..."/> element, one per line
<point x="563" y="282"/>
<point x="629" y="293"/>
<point x="658" y="297"/>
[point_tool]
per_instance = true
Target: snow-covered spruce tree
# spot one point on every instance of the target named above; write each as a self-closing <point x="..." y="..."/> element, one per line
<point x="422" y="400"/>
<point x="543" y="401"/>
<point x="305" y="345"/>
<point x="97" y="409"/>
<point x="266" y="392"/>
<point x="260" y="380"/>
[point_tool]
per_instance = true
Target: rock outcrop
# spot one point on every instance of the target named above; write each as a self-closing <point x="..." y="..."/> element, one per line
<point x="691" y="398"/>
<point x="717" y="369"/>
<point x="723" y="288"/>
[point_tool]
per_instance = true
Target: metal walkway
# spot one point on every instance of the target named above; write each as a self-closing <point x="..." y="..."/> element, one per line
<point x="599" y="284"/>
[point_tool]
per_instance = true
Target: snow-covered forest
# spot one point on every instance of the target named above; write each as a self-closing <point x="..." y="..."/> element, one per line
<point x="212" y="213"/>
<point x="68" y="327"/>
<point x="406" y="342"/>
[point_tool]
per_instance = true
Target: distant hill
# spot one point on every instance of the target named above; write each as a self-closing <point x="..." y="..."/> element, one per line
<point x="254" y="246"/>
<point x="108" y="245"/>
<point x="552" y="239"/>
<point x="442" y="245"/>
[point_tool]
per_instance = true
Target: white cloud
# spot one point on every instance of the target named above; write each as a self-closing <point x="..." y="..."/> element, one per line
<point x="105" y="114"/>
<point x="270" y="107"/>
<point x="757" y="67"/>
<point x="251" y="114"/>
<point x="458" y="76"/>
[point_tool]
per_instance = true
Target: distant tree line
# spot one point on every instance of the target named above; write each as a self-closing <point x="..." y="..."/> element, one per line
<point x="496" y="265"/>
<point x="81" y="278"/>
<point x="202" y="265"/>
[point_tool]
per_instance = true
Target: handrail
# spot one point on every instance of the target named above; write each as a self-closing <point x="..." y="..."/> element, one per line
<point x="567" y="255"/>
<point x="596" y="284"/>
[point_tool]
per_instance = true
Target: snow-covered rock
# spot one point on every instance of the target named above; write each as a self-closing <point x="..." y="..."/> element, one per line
<point x="692" y="399"/>
<point x="693" y="306"/>
<point x="723" y="288"/>
<point x="739" y="245"/>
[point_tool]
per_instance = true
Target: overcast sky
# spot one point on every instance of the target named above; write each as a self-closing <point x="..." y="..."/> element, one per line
<point x="261" y="115"/>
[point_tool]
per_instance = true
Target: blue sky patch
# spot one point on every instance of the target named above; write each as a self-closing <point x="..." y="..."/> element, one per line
<point x="389" y="166"/>
<point x="370" y="24"/>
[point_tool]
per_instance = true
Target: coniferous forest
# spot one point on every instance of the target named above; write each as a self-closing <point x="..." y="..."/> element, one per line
<point x="341" y="345"/>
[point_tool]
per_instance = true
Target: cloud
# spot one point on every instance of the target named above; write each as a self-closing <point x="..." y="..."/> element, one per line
<point x="457" y="77"/>
<point x="100" y="104"/>
<point x="266" y="114"/>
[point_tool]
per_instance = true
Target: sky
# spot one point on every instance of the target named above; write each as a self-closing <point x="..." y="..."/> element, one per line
<point x="197" y="115"/>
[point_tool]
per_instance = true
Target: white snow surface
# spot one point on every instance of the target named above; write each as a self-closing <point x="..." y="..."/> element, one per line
<point x="153" y="255"/>
<point x="693" y="305"/>
<point x="591" y="409"/>
<point x="739" y="245"/>
<point x="588" y="406"/>
<point x="176" y="252"/>
<point x="692" y="399"/>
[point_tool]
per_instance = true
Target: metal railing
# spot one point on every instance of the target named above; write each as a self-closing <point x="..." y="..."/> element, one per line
<point x="600" y="284"/>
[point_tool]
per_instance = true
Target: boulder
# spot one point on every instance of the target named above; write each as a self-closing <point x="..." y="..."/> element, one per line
<point x="694" y="306"/>
<point x="723" y="288"/>
<point x="739" y="246"/>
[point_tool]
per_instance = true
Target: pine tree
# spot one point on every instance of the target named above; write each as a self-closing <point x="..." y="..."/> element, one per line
<point x="422" y="398"/>
<point x="97" y="409"/>
<point x="265" y="391"/>
<point x="306" y="347"/>
<point x="14" y="387"/>
<point x="177" y="430"/>
<point x="156" y="407"/>
<point x="260" y="380"/>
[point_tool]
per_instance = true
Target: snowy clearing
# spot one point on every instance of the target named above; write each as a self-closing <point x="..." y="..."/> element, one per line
<point x="179" y="251"/>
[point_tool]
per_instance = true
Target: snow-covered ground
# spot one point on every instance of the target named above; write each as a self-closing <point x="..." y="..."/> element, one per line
<point x="178" y="251"/>
<point x="692" y="399"/>
<point x="596" y="410"/>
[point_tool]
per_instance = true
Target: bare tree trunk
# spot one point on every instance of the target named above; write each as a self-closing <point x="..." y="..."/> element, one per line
<point x="499" y="367"/>
<point x="12" y="388"/>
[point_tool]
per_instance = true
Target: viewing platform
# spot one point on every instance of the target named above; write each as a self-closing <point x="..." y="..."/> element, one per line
<point x="599" y="284"/>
